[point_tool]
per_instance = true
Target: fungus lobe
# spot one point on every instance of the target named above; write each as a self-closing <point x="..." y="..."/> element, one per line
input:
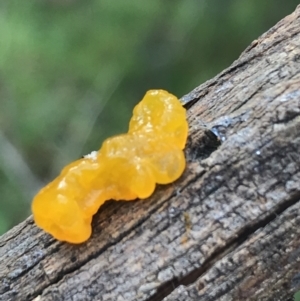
<point x="126" y="167"/>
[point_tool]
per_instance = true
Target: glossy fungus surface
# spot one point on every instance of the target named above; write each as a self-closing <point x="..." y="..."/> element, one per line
<point x="126" y="167"/>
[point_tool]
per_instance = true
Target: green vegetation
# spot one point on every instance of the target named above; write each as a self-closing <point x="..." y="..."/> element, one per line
<point x="71" y="72"/>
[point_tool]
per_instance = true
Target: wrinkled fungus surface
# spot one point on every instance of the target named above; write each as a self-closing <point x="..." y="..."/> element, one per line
<point x="126" y="167"/>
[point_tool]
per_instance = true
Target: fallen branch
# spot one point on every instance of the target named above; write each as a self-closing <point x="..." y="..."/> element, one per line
<point x="228" y="229"/>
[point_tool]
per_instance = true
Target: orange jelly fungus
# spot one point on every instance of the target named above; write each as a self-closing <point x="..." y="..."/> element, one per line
<point x="125" y="168"/>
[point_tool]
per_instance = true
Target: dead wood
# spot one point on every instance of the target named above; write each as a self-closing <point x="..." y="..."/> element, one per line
<point x="229" y="229"/>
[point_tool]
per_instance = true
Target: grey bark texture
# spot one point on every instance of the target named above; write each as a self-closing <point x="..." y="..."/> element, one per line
<point x="228" y="229"/>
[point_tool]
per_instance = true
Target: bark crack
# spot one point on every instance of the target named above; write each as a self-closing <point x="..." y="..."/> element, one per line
<point x="190" y="278"/>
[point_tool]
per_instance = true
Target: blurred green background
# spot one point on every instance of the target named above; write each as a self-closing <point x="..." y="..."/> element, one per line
<point x="72" y="70"/>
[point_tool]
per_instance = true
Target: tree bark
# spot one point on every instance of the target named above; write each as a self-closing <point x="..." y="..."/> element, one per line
<point x="228" y="229"/>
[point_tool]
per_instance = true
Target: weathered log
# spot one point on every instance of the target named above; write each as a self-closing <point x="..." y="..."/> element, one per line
<point x="228" y="229"/>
